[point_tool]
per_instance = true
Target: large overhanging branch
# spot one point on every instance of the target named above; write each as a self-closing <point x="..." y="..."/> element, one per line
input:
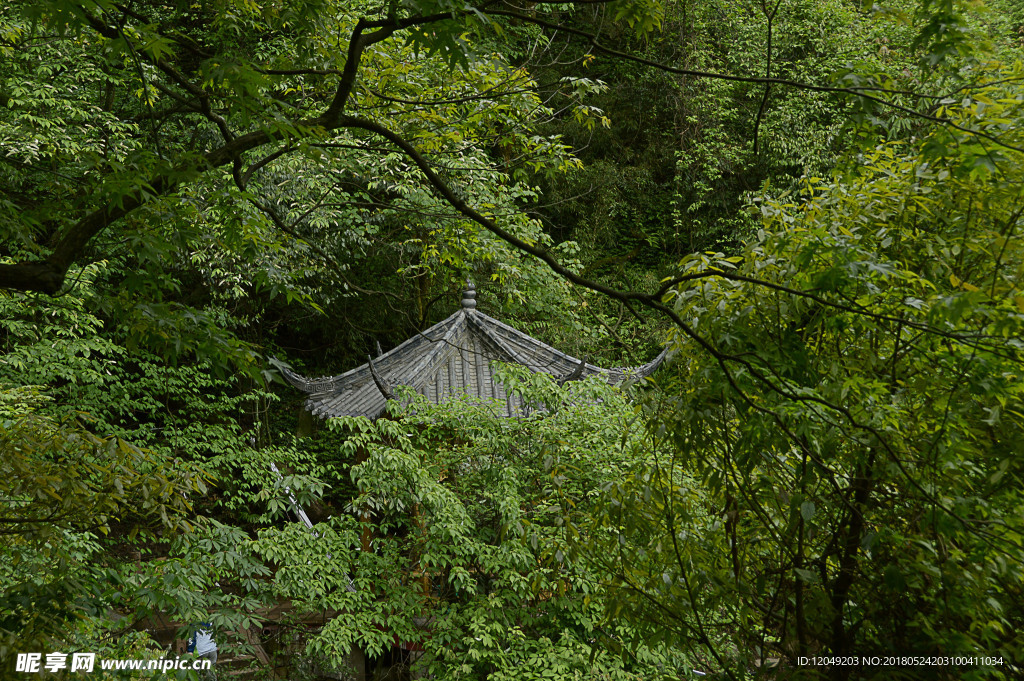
<point x="446" y="193"/>
<point x="48" y="276"/>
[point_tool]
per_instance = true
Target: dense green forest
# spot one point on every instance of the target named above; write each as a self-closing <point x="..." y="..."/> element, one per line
<point x="813" y="205"/>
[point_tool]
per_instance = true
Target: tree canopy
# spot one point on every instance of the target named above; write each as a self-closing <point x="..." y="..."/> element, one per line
<point x="815" y="204"/>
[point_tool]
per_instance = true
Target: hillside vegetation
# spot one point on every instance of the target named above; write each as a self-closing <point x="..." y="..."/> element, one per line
<point x="815" y="205"/>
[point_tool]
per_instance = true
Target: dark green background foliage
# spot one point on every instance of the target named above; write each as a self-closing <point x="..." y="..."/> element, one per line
<point x="814" y="204"/>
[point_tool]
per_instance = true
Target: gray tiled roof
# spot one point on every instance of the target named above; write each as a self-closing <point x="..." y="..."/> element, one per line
<point x="452" y="358"/>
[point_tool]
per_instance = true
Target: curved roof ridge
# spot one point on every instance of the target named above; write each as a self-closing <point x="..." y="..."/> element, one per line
<point x="475" y="320"/>
<point x="416" y="380"/>
<point x="340" y="381"/>
<point x="641" y="371"/>
<point x="452" y="357"/>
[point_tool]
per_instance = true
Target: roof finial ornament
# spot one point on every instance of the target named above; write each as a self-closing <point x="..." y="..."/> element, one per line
<point x="469" y="296"/>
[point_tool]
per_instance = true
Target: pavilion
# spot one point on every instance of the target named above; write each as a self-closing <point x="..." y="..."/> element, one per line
<point x="451" y="359"/>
